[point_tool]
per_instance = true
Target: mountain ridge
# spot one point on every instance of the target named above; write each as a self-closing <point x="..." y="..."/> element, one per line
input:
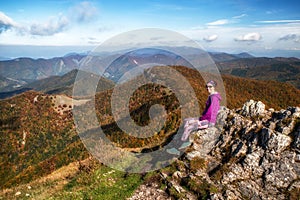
<point x="279" y="69"/>
<point x="26" y="70"/>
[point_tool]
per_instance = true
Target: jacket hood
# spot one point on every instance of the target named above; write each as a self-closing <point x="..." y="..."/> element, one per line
<point x="217" y="95"/>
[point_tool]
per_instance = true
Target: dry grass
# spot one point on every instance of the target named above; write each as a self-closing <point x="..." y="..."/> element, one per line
<point x="36" y="189"/>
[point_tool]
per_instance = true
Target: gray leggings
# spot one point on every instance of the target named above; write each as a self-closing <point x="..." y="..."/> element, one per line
<point x="192" y="124"/>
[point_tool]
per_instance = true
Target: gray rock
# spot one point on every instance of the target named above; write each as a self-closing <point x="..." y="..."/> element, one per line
<point x="253" y="108"/>
<point x="203" y="142"/>
<point x="250" y="154"/>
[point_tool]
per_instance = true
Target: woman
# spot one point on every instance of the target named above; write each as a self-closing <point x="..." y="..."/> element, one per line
<point x="209" y="115"/>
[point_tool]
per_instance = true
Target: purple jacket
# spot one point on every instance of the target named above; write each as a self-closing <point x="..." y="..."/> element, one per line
<point x="212" y="107"/>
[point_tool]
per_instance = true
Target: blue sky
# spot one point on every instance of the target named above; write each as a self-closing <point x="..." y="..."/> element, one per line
<point x="259" y="27"/>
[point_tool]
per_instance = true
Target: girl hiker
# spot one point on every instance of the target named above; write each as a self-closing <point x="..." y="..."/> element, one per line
<point x="207" y="119"/>
<point x="209" y="115"/>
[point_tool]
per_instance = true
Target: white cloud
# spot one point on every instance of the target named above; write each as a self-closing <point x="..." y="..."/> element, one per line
<point x="84" y="12"/>
<point x="249" y="37"/>
<point x="81" y="13"/>
<point x="218" y="22"/>
<point x="240" y="16"/>
<point x="210" y="38"/>
<point x="232" y="20"/>
<point x="51" y="27"/>
<point x="278" y="21"/>
<point x="6" y="22"/>
<point x="290" y="37"/>
<point x="68" y="28"/>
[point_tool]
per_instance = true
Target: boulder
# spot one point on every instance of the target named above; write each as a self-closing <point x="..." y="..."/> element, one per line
<point x="253" y="108"/>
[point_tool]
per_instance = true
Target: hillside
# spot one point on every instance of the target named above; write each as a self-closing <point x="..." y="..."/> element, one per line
<point x="238" y="90"/>
<point x="250" y="149"/>
<point x="223" y="57"/>
<point x="38" y="135"/>
<point x="286" y="70"/>
<point x="35" y="139"/>
<point x="8" y="83"/>
<point x="83" y="179"/>
<point x="57" y="84"/>
<point x="26" y="70"/>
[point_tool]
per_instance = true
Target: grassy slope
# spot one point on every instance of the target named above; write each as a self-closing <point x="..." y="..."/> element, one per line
<point x="79" y="180"/>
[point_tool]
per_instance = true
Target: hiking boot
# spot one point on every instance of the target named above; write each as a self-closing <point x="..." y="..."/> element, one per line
<point x="184" y="145"/>
<point x="173" y="151"/>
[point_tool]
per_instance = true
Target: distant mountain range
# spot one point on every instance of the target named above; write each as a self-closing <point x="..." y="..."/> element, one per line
<point x="56" y="85"/>
<point x="279" y="69"/>
<point x="57" y="75"/>
<point x="220" y="56"/>
<point x="21" y="71"/>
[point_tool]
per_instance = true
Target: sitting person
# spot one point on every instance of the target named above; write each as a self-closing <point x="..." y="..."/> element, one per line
<point x="209" y="115"/>
<point x="207" y="119"/>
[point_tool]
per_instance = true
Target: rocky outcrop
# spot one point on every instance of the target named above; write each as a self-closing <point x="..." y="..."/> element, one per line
<point x="252" y="153"/>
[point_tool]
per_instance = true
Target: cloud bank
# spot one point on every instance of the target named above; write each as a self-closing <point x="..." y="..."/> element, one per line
<point x="81" y="13"/>
<point x="51" y="27"/>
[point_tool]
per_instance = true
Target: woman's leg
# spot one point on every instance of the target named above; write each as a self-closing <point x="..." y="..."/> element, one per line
<point x="203" y="124"/>
<point x="190" y="125"/>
